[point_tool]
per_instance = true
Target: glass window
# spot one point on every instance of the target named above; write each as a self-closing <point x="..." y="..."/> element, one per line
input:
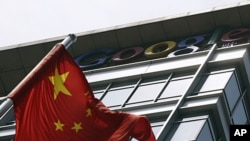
<point x="117" y="97"/>
<point x="215" y="81"/>
<point x="176" y="88"/>
<point x="232" y="92"/>
<point x="200" y="129"/>
<point x="98" y="91"/>
<point x="146" y="92"/>
<point x="205" y="134"/>
<point x="239" y="110"/>
<point x="118" y="92"/>
<point x="157" y="125"/>
<point x="183" y="132"/>
<point x="99" y="94"/>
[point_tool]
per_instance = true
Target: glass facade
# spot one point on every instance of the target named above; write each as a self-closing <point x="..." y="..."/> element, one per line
<point x="157" y="93"/>
<point x="201" y="130"/>
<point x="188" y="103"/>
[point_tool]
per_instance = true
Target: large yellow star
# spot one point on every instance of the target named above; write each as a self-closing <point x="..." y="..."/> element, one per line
<point x="58" y="81"/>
<point x="77" y="126"/>
<point x="59" y="125"/>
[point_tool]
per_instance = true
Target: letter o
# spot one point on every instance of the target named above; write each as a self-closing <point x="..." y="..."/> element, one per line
<point x="150" y="52"/>
<point x="236" y="35"/>
<point x="194" y="41"/>
<point x="117" y="57"/>
<point x="187" y="50"/>
<point x="95" y="63"/>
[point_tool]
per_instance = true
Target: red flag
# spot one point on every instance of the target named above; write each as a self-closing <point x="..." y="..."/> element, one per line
<point x="55" y="103"/>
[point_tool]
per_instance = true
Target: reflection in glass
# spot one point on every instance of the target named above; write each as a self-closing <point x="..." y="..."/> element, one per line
<point x="176" y="88"/>
<point x="205" y="134"/>
<point x="116" y="97"/>
<point x="183" y="132"/>
<point x="232" y="92"/>
<point x="146" y="92"/>
<point x="239" y="110"/>
<point x="215" y="81"/>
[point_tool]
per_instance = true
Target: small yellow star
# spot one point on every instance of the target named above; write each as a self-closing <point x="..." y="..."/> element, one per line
<point x="58" y="81"/>
<point x="77" y="126"/>
<point x="89" y="113"/>
<point x="59" y="125"/>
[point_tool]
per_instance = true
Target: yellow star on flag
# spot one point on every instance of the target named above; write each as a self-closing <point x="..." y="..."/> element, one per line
<point x="59" y="125"/>
<point x="77" y="126"/>
<point x="89" y="113"/>
<point x="58" y="81"/>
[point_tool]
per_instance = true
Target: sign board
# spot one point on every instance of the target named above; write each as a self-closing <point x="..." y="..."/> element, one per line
<point x="109" y="57"/>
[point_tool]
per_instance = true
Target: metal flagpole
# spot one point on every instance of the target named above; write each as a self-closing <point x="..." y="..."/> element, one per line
<point x="67" y="42"/>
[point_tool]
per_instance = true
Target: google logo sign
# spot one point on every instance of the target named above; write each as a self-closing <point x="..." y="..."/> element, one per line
<point x="188" y="45"/>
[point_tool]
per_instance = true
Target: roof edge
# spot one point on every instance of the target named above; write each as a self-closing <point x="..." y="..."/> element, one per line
<point x="154" y="20"/>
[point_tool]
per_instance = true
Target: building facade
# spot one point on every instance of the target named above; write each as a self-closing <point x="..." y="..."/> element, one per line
<point x="189" y="75"/>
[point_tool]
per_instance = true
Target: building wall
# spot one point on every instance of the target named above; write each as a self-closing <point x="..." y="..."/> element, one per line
<point x="197" y="97"/>
<point x="190" y="96"/>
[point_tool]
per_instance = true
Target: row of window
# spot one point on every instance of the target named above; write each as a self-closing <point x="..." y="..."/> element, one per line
<point x="145" y="90"/>
<point x="201" y="126"/>
<point x="152" y="90"/>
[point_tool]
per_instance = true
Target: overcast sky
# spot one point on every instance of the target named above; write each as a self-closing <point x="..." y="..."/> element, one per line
<point x="24" y="21"/>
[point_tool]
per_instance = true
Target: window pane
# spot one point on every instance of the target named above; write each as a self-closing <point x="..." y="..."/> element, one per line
<point x="116" y="97"/>
<point x="176" y="88"/>
<point x="157" y="125"/>
<point x="205" y="134"/>
<point x="216" y="81"/>
<point x="183" y="132"/>
<point x="146" y="92"/>
<point x="232" y="92"/>
<point x="242" y="119"/>
<point x="98" y="94"/>
<point x="99" y="90"/>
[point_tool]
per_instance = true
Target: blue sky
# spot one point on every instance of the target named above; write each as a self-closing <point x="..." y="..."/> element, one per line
<point x="31" y="20"/>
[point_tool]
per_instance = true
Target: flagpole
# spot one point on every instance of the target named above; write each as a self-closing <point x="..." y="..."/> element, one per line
<point x="6" y="104"/>
<point x="67" y="42"/>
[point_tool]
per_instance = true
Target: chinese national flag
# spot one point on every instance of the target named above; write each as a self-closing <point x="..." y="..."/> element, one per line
<point x="55" y="103"/>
